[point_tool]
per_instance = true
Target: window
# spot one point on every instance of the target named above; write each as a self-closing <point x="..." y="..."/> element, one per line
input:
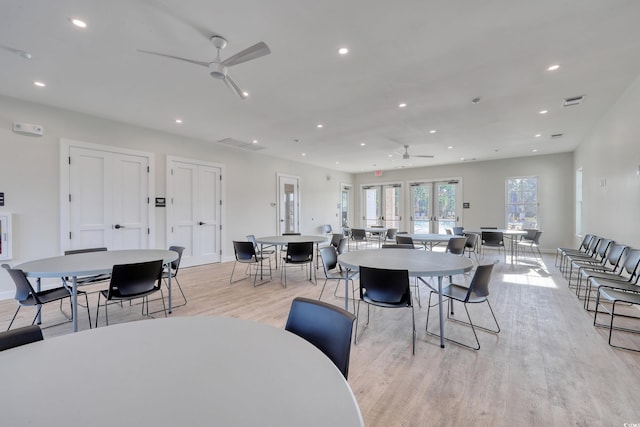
<point x="579" y="202"/>
<point x="522" y="203"/>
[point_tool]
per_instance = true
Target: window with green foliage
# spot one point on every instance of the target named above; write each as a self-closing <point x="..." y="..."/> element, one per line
<point x="522" y="203"/>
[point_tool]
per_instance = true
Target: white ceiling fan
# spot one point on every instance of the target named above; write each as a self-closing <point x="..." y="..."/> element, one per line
<point x="218" y="67"/>
<point x="407" y="156"/>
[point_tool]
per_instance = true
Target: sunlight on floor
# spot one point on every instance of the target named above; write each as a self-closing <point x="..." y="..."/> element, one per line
<point x="531" y="276"/>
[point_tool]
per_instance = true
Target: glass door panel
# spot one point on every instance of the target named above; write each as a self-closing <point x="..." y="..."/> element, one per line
<point x="421" y="208"/>
<point x="372" y="206"/>
<point x="345" y="200"/>
<point x="447" y="205"/>
<point x="392" y="202"/>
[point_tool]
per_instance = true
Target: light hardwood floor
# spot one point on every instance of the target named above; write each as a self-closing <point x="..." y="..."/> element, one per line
<point x="549" y="366"/>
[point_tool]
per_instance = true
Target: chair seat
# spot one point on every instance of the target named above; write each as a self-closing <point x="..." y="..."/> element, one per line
<point x="404" y="302"/>
<point x="117" y="296"/>
<point x="622" y="296"/>
<point x="459" y="293"/>
<point x="47" y="296"/>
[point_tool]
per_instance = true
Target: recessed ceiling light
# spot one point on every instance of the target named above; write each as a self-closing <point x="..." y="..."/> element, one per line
<point x="538" y="135"/>
<point x="461" y="158"/>
<point x="544" y="112"/>
<point x="362" y="144"/>
<point x="343" y="51"/>
<point x="337" y="163"/>
<point x="255" y="141"/>
<point x="390" y="155"/>
<point x="319" y="125"/>
<point x="39" y="84"/>
<point x="553" y="67"/>
<point x="179" y="121"/>
<point x="535" y="150"/>
<point x="304" y="154"/>
<point x="450" y="147"/>
<point x="78" y="23"/>
<point x="402" y="105"/>
<point x="246" y="94"/>
<point x="432" y="131"/>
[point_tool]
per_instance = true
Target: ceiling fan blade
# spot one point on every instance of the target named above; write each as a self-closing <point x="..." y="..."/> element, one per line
<point x="426" y="156"/>
<point x="19" y="52"/>
<point x="203" y="63"/>
<point x="234" y="87"/>
<point x="253" y="52"/>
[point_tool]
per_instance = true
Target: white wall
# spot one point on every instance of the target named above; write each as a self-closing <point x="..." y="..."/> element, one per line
<point x="483" y="186"/>
<point x="29" y="177"/>
<point x="612" y="153"/>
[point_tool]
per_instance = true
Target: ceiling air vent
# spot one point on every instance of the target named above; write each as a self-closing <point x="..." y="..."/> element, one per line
<point x="574" y="100"/>
<point x="557" y="135"/>
<point x="232" y="142"/>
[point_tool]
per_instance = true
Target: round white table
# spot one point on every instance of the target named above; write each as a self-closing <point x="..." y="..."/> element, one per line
<point x="215" y="372"/>
<point x="418" y="263"/>
<point x="278" y="241"/>
<point x="430" y="238"/>
<point x="92" y="263"/>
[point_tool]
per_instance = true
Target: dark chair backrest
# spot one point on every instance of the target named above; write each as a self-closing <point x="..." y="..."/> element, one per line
<point x="20" y="336"/>
<point x="24" y="290"/>
<point x="335" y="239"/>
<point x="383" y="285"/>
<point x="404" y="240"/>
<point x="584" y="246"/>
<point x="252" y="238"/>
<point x="342" y="246"/>
<point x="326" y="326"/>
<point x="245" y="251"/>
<point x="480" y="283"/>
<point x="82" y="251"/>
<point x="299" y="252"/>
<point x="631" y="264"/>
<point x="135" y="279"/>
<point x="458" y="231"/>
<point x="604" y="246"/>
<point x="358" y="234"/>
<point x="488" y="228"/>
<point x="492" y="238"/>
<point x="397" y="246"/>
<point x="531" y="234"/>
<point x="391" y="233"/>
<point x="329" y="258"/>
<point x="448" y="231"/>
<point x="291" y="234"/>
<point x="536" y="237"/>
<point x="456" y="245"/>
<point x="615" y="255"/>
<point x="472" y="240"/>
<point x="175" y="264"/>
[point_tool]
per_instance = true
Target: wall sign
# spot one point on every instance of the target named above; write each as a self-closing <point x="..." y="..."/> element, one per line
<point x="466" y="205"/>
<point x="161" y="202"/>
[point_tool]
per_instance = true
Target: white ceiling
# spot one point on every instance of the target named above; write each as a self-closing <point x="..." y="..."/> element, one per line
<point x="434" y="55"/>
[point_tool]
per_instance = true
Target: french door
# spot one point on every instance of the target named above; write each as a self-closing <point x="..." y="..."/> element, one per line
<point x="382" y="205"/>
<point x="345" y="205"/>
<point x="434" y="206"/>
<point x="108" y="198"/>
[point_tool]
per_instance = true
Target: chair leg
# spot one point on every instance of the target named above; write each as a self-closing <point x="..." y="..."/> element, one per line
<point x="14" y="316"/>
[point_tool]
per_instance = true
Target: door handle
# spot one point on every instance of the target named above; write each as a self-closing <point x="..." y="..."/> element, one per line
<point x="118" y="226"/>
<point x="282" y="220"/>
<point x="201" y="223"/>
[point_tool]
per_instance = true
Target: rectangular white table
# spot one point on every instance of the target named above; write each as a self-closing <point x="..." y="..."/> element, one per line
<point x="92" y="263"/>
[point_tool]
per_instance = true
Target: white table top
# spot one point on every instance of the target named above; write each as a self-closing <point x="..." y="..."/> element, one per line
<point x="90" y="263"/>
<point x="283" y="240"/>
<point x="500" y="230"/>
<point x="433" y="238"/>
<point x="217" y="371"/>
<point x="418" y="263"/>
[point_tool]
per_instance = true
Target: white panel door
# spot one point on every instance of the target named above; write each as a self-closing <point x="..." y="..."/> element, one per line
<point x="195" y="211"/>
<point x="108" y="199"/>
